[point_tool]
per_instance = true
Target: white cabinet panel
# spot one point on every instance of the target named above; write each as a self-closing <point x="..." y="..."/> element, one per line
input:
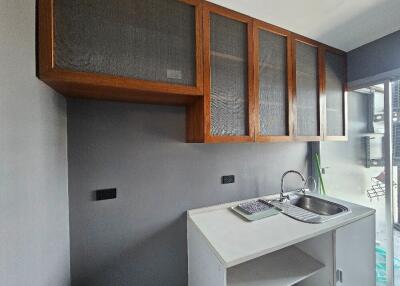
<point x="355" y="253"/>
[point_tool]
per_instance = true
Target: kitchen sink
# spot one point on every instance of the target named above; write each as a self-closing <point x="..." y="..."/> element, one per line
<point x="310" y="209"/>
<point x="317" y="205"/>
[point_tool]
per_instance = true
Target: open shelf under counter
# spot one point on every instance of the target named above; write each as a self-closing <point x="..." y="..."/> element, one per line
<point x="281" y="268"/>
<point x="227" y="250"/>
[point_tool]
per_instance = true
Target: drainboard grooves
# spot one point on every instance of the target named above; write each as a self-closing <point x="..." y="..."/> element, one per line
<point x="296" y="212"/>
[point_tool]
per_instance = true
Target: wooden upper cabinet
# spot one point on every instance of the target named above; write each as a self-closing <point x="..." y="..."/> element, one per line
<point x="242" y="80"/>
<point x="335" y="94"/>
<point x="273" y="77"/>
<point x="307" y="89"/>
<point x="135" y="49"/>
<point x="228" y="75"/>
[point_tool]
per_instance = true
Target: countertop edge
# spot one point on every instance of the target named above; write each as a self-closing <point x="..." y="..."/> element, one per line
<point x="230" y="263"/>
<point x="244" y="259"/>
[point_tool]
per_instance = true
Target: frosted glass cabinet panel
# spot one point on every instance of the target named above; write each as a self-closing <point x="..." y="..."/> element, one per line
<point x="335" y="78"/>
<point x="307" y="90"/>
<point x="272" y="84"/>
<point x="151" y="40"/>
<point x="229" y="76"/>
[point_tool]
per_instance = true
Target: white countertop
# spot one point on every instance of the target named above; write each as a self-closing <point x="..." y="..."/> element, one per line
<point x="234" y="240"/>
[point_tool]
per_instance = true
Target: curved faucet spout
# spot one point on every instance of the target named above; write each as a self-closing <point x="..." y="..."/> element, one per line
<point x="282" y="197"/>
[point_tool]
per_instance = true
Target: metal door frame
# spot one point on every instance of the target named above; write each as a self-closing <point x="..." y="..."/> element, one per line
<point x="388" y="155"/>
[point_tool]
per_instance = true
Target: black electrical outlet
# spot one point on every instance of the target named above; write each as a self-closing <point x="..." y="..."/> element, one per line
<point x="106" y="194"/>
<point x="228" y="179"/>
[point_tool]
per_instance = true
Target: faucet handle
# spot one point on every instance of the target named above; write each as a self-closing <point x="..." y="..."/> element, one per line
<point x="284" y="198"/>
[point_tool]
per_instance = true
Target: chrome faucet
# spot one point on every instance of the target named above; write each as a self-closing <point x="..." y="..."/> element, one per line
<point x="282" y="197"/>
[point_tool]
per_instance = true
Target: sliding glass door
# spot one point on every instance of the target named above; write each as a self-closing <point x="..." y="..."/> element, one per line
<point x="394" y="87"/>
<point x="364" y="169"/>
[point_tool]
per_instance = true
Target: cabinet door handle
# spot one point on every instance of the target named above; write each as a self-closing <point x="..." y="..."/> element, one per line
<point x="339" y="275"/>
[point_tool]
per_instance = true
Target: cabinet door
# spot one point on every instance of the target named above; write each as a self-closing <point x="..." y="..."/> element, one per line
<point x="273" y="76"/>
<point x="355" y="253"/>
<point x="228" y="75"/>
<point x="335" y="94"/>
<point x="306" y="90"/>
<point x="154" y="41"/>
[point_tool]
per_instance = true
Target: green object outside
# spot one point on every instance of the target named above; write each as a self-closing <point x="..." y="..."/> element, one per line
<point x="321" y="180"/>
<point x="381" y="277"/>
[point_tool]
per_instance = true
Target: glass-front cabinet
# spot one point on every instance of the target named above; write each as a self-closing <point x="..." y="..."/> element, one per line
<point x="149" y="40"/>
<point x="122" y="50"/>
<point x="273" y="74"/>
<point x="306" y="90"/>
<point x="335" y="95"/>
<point x="241" y="79"/>
<point x="228" y="74"/>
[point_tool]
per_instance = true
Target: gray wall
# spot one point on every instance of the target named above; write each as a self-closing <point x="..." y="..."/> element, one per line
<point x="346" y="160"/>
<point x="34" y="229"/>
<point x="140" y="238"/>
<point x="378" y="57"/>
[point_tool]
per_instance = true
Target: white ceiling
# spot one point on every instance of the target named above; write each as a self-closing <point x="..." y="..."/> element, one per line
<point x="344" y="24"/>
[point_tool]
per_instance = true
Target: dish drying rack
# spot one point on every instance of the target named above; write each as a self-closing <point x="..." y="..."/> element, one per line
<point x="377" y="188"/>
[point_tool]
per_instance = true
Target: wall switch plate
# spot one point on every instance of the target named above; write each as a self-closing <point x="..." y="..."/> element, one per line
<point x="106" y="194"/>
<point x="230" y="179"/>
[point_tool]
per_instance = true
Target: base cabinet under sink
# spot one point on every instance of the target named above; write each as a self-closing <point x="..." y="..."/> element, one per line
<point x="342" y="257"/>
<point x="355" y="262"/>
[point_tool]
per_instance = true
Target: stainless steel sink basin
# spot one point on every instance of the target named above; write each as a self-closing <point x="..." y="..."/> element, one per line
<point x="317" y="205"/>
<point x="310" y="209"/>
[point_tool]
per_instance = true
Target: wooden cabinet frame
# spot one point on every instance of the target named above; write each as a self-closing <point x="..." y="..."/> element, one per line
<point x="320" y="94"/>
<point x="344" y="137"/>
<point x="259" y="25"/>
<point x="198" y="113"/>
<point x="196" y="98"/>
<point x="209" y="8"/>
<point x="108" y="87"/>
